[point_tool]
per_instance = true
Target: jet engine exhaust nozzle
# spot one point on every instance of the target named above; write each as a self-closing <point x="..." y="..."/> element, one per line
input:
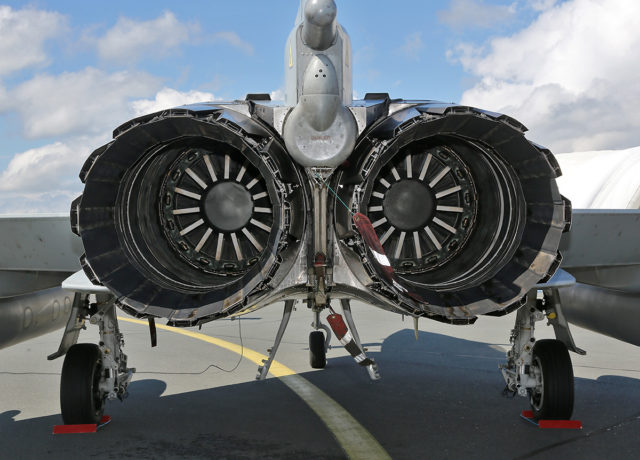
<point x="186" y="213"/>
<point x="466" y="209"/>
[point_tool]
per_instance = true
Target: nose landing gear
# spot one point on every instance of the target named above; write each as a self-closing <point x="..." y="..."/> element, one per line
<point x="318" y="344"/>
<point x="317" y="350"/>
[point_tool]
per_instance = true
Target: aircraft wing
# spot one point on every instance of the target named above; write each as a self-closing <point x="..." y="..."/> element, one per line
<point x="37" y="252"/>
<point x="602" y="252"/>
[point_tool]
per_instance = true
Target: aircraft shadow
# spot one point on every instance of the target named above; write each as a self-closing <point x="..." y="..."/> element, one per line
<point x="439" y="397"/>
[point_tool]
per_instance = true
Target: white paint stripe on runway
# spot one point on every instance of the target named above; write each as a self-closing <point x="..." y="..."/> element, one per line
<point x="354" y="439"/>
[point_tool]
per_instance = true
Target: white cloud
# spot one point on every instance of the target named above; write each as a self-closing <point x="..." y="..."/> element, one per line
<point x="412" y="45"/>
<point x="570" y="76"/>
<point x="131" y="40"/>
<point x="167" y="98"/>
<point x="86" y="102"/>
<point x="51" y="168"/>
<point x="475" y="13"/>
<point x="45" y="179"/>
<point x="23" y="34"/>
<point x="541" y="5"/>
<point x="42" y="202"/>
<point x="234" y="39"/>
<point x="277" y="95"/>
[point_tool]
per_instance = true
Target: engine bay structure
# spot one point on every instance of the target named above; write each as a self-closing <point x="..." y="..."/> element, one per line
<point x="204" y="211"/>
<point x="419" y="207"/>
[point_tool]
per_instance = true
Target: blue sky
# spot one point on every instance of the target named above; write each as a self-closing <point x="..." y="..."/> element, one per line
<point x="70" y="71"/>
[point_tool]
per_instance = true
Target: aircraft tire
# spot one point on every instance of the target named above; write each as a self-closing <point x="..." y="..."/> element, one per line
<point x="317" y="352"/>
<point x="80" y="398"/>
<point x="554" y="400"/>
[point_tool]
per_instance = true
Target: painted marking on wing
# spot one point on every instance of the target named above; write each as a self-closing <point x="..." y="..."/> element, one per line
<point x="354" y="439"/>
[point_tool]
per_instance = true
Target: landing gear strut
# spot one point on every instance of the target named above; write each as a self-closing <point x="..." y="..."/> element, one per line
<point x="91" y="374"/>
<point x="540" y="370"/>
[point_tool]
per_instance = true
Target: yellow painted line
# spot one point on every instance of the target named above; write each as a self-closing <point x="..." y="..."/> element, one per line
<point x="354" y="439"/>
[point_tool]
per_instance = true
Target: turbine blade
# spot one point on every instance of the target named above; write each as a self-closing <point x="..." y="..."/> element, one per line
<point x="425" y="166"/>
<point x="399" y="245"/>
<point x="196" y="178"/>
<point x="251" y="238"/>
<point x="439" y="177"/>
<point x="191" y="227"/>
<point x="204" y="239"/>
<point x="188" y="194"/>
<point x="212" y="173"/>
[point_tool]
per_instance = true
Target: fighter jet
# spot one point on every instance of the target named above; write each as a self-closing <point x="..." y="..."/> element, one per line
<point x="213" y="210"/>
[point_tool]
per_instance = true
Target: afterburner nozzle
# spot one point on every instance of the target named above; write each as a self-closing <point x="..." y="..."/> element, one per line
<point x="319" y="27"/>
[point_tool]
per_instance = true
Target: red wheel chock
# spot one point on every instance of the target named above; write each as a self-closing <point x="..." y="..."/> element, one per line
<point x="570" y="424"/>
<point x="82" y="428"/>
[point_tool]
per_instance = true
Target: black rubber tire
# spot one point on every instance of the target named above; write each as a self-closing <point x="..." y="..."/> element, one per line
<point x="317" y="353"/>
<point x="80" y="398"/>
<point x="555" y="402"/>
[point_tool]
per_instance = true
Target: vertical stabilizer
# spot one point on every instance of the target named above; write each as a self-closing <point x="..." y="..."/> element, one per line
<point x="320" y="130"/>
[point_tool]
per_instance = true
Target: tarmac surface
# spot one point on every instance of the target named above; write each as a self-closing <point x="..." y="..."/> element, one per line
<point x="439" y="396"/>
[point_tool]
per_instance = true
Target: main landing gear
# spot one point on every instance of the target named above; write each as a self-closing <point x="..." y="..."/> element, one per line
<point x="91" y="373"/>
<point x="541" y="370"/>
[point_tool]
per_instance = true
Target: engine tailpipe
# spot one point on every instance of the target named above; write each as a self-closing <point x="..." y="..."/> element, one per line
<point x="605" y="311"/>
